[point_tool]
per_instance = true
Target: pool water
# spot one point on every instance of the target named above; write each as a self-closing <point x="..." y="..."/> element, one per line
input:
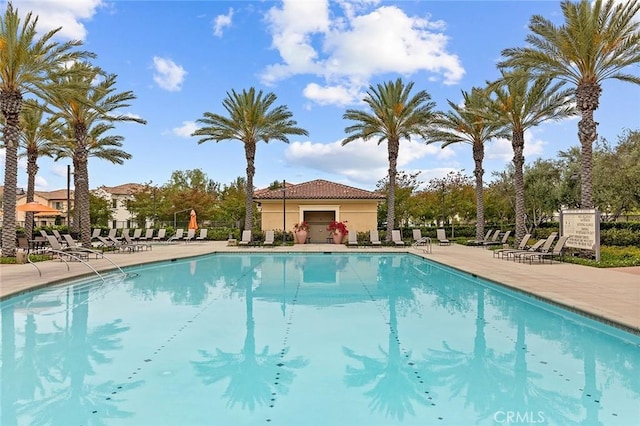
<point x="309" y="339"/>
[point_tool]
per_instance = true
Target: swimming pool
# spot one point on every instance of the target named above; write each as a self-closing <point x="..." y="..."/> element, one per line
<point x="309" y="339"/>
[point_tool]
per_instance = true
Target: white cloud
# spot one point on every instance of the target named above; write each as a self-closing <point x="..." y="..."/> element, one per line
<point x="60" y="13"/>
<point x="500" y="149"/>
<point x="167" y="74"/>
<point x="221" y="22"/>
<point x="353" y="47"/>
<point x="185" y="131"/>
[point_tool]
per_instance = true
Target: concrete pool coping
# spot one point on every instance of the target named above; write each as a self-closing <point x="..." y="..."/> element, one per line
<point x="611" y="295"/>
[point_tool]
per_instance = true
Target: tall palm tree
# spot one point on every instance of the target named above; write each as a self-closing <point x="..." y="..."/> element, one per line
<point x="523" y="102"/>
<point x="36" y="144"/>
<point x="26" y="62"/>
<point x="89" y="99"/>
<point x="99" y="146"/>
<point x="251" y="119"/>
<point x="394" y="114"/>
<point x="467" y="123"/>
<point x="596" y="42"/>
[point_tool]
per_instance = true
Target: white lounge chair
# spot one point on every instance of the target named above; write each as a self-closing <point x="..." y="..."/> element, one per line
<point x="137" y="233"/>
<point x="521" y="246"/>
<point x="441" y="235"/>
<point x="148" y="235"/>
<point x="396" y="237"/>
<point x="177" y="236"/>
<point x="504" y="240"/>
<point x="541" y="246"/>
<point x="374" y="237"/>
<point x="203" y="234"/>
<point x="246" y="238"/>
<point x="162" y="235"/>
<point x="269" y="237"/>
<point x="353" y="238"/>
<point x="191" y="233"/>
<point x="558" y="251"/>
<point x="96" y="233"/>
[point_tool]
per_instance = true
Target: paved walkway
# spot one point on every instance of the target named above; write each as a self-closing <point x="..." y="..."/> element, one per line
<point x="611" y="295"/>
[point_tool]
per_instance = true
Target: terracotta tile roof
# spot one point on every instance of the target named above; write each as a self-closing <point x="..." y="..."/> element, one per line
<point x="58" y="194"/>
<point x="318" y="190"/>
<point x="124" y="189"/>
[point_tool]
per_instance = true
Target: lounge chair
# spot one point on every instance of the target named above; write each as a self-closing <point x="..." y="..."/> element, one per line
<point x="58" y="236"/>
<point x="557" y="251"/>
<point x="162" y="234"/>
<point x="132" y="245"/>
<point x="246" y="238"/>
<point x="73" y="253"/>
<point x="544" y="248"/>
<point x="203" y="234"/>
<point x="353" y="239"/>
<point x="418" y="239"/>
<point x="487" y="236"/>
<point x="70" y="242"/>
<point x="520" y="247"/>
<point x="502" y="242"/>
<point x="396" y="237"/>
<point x="177" y="236"/>
<point x="191" y="233"/>
<point x="107" y="243"/>
<point x="269" y="237"/>
<point x="441" y="235"/>
<point x="148" y="235"/>
<point x="492" y="239"/>
<point x="374" y="237"/>
<point x="113" y="232"/>
<point x="96" y="233"/>
<point x="137" y="233"/>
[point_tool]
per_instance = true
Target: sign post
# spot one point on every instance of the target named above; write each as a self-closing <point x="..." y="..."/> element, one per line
<point x="583" y="228"/>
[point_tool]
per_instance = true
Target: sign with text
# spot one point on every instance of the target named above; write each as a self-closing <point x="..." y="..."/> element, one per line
<point x="583" y="228"/>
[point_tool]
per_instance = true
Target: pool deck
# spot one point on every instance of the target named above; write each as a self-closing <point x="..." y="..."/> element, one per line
<point x="611" y="295"/>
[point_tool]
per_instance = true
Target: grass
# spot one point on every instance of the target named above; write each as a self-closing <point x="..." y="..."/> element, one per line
<point x="610" y="257"/>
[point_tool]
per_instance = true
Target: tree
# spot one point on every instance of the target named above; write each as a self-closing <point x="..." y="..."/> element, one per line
<point x="99" y="211"/>
<point x="251" y="119"/>
<point x="467" y="123"/>
<point x="35" y="143"/>
<point x="542" y="186"/>
<point x="86" y="108"/>
<point x="26" y="64"/>
<point x="394" y="114"/>
<point x="406" y="185"/>
<point x="522" y="102"/>
<point x="191" y="189"/>
<point x="597" y="41"/>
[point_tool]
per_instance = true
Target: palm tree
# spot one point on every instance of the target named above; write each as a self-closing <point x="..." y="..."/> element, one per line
<point x="36" y="144"/>
<point x="250" y="120"/>
<point x="394" y="114"/>
<point x="467" y="123"/>
<point x="523" y="102"/>
<point x="597" y="41"/>
<point x="26" y="64"/>
<point x="81" y="105"/>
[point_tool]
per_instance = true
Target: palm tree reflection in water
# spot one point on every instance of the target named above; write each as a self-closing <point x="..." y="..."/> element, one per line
<point x="251" y="375"/>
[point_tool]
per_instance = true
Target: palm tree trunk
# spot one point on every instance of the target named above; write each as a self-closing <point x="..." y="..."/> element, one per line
<point x="517" y="143"/>
<point x="393" y="148"/>
<point x="587" y="99"/>
<point x="10" y="106"/>
<point x="32" y="170"/>
<point x="250" y="154"/>
<point x="81" y="182"/>
<point x="478" y="172"/>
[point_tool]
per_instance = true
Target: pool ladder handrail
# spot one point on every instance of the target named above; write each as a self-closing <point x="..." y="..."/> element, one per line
<point x="78" y="258"/>
<point x="425" y="243"/>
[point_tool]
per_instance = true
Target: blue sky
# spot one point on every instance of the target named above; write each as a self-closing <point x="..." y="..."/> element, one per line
<point x="180" y="58"/>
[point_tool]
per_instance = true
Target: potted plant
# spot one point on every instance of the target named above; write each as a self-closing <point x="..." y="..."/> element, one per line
<point x="301" y="230"/>
<point x="338" y="230"/>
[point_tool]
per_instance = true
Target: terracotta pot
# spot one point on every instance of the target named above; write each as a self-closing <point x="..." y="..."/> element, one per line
<point x="301" y="236"/>
<point x="337" y="238"/>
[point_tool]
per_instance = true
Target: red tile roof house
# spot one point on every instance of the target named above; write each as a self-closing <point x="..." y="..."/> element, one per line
<point x="318" y="202"/>
<point x="117" y="197"/>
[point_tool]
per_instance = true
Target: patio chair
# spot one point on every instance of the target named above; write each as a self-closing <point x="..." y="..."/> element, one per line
<point x="191" y="233"/>
<point x="487" y="236"/>
<point x="203" y="234"/>
<point x="58" y="236"/>
<point x="521" y="246"/>
<point x="70" y="242"/>
<point x="162" y="235"/>
<point x="177" y="236"/>
<point x="353" y="239"/>
<point x="396" y="237"/>
<point x="73" y="253"/>
<point x="246" y="238"/>
<point x="96" y="233"/>
<point x="374" y="237"/>
<point x="418" y="239"/>
<point x="132" y="245"/>
<point x="148" y="235"/>
<point x="502" y="242"/>
<point x="269" y="237"/>
<point x="137" y="233"/>
<point x="557" y="251"/>
<point x="441" y="235"/>
<point x="544" y="248"/>
<point x="112" y="233"/>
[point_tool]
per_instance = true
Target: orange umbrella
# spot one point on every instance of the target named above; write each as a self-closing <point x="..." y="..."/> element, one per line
<point x="36" y="207"/>
<point x="192" y="222"/>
